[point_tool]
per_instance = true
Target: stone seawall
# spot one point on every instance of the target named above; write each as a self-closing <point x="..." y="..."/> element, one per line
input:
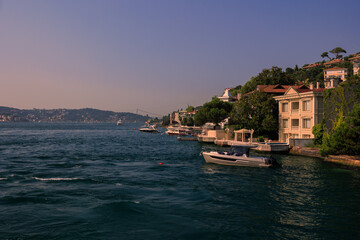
<point x="304" y="151"/>
<point x="351" y="161"/>
<point x="345" y="160"/>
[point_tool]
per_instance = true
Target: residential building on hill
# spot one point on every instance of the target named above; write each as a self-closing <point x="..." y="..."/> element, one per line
<point x="299" y="110"/>
<point x="336" y="72"/>
<point x="333" y="76"/>
<point x="227" y="97"/>
<point x="356" y="63"/>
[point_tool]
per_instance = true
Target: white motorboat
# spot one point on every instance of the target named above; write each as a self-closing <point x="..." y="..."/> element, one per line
<point x="150" y="129"/>
<point x="239" y="156"/>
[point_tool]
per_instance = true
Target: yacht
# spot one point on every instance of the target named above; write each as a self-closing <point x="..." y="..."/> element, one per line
<point x="151" y="129"/>
<point x="239" y="156"/>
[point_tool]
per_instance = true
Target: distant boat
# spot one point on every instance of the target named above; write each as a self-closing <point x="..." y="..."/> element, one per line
<point x="149" y="129"/>
<point x="119" y="122"/>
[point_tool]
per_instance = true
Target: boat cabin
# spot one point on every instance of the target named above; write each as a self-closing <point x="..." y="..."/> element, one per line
<point x="239" y="150"/>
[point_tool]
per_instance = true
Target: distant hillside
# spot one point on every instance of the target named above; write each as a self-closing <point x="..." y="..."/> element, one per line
<point x="87" y="115"/>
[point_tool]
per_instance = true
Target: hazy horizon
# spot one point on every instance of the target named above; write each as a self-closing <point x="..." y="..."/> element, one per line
<point x="158" y="56"/>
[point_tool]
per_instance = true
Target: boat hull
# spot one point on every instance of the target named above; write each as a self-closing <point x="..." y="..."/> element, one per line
<point x="214" y="157"/>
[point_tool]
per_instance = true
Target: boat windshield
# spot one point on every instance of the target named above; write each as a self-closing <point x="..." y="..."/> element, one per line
<point x="239" y="150"/>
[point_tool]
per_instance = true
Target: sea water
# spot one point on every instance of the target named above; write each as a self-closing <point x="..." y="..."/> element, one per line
<point x="102" y="181"/>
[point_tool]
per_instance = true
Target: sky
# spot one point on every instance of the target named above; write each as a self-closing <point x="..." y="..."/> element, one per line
<point x="157" y="55"/>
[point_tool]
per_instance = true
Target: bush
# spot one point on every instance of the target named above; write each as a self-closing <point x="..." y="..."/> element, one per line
<point x="318" y="131"/>
<point x="345" y="138"/>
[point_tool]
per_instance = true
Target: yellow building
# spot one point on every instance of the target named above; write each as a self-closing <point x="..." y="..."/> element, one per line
<point x="299" y="111"/>
<point x="336" y="72"/>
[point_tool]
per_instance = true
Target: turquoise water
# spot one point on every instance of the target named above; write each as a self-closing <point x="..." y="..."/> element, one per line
<point x="101" y="181"/>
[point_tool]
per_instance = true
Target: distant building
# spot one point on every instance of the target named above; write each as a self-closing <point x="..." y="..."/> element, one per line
<point x="333" y="76"/>
<point x="227" y="97"/>
<point x="356" y="63"/>
<point x="299" y="110"/>
<point x="336" y="72"/>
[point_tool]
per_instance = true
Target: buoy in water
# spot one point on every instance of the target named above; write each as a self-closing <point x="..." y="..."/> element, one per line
<point x="161" y="163"/>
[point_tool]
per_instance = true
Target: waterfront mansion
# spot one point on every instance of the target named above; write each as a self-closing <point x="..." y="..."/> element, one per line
<point x="299" y="110"/>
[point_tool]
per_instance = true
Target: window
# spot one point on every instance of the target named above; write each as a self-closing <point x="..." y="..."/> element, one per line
<point x="306" y="105"/>
<point x="284" y="107"/>
<point x="295" y="106"/>
<point x="285" y="123"/>
<point x="306" y="136"/>
<point x="295" y="123"/>
<point x="306" y="123"/>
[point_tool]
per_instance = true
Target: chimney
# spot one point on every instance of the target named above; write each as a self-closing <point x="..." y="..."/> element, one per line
<point x="311" y="86"/>
<point x="317" y="84"/>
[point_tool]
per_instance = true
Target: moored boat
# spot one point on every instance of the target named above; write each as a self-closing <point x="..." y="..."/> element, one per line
<point x="149" y="129"/>
<point x="239" y="156"/>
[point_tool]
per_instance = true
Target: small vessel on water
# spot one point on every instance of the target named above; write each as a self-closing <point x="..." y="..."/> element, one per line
<point x="149" y="129"/>
<point x="239" y="156"/>
<point x="119" y="122"/>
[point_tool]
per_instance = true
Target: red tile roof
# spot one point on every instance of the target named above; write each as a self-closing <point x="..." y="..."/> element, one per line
<point x="311" y="65"/>
<point x="281" y="89"/>
<point x="335" y="68"/>
<point x="355" y="57"/>
<point x="334" y="61"/>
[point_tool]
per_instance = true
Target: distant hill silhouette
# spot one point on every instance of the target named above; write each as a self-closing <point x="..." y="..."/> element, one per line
<point x="88" y="115"/>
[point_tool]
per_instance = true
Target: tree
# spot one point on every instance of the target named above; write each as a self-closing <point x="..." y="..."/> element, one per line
<point x="187" y="121"/>
<point x="318" y="131"/>
<point x="336" y="51"/>
<point x="272" y="76"/>
<point x="214" y="111"/>
<point x="345" y="138"/>
<point x="325" y="54"/>
<point x="166" y="120"/>
<point x="190" y="109"/>
<point x="258" y="111"/>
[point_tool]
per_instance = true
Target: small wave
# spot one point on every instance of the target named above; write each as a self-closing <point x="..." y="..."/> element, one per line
<point x="55" y="179"/>
<point x="3" y="179"/>
<point x="118" y="184"/>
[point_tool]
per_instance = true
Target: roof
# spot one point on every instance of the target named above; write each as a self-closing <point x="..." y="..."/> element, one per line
<point x="334" y="61"/>
<point x="355" y="57"/>
<point x="278" y="88"/>
<point x="335" y="68"/>
<point x="311" y="65"/>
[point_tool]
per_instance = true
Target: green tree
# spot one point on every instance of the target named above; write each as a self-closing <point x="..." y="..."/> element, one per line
<point x="190" y="109"/>
<point x="318" y="131"/>
<point x="213" y="111"/>
<point x="345" y="138"/>
<point x="234" y="91"/>
<point x="166" y="120"/>
<point x="187" y="121"/>
<point x="325" y="54"/>
<point x="272" y="76"/>
<point x="336" y="51"/>
<point x="258" y="111"/>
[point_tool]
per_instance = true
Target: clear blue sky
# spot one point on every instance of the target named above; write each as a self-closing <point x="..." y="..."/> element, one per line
<point x="157" y="55"/>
